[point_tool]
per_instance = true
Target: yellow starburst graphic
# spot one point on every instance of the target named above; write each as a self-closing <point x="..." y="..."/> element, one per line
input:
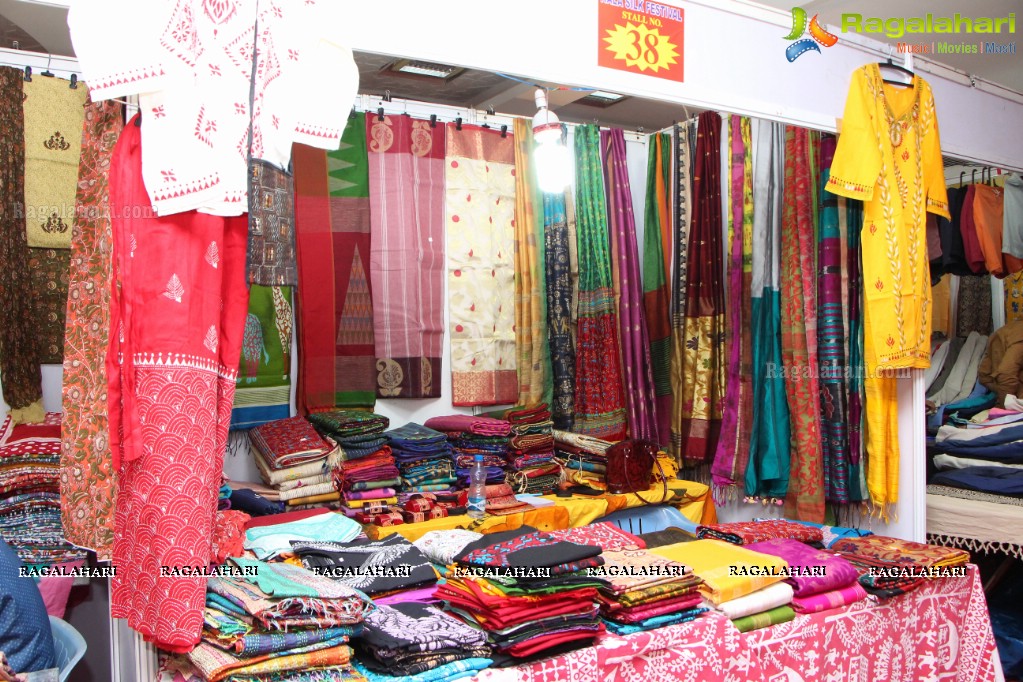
<point x="642" y="47"/>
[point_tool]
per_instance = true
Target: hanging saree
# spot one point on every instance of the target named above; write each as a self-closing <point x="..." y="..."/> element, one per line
<point x="850" y="220"/>
<point x="406" y="194"/>
<point x="732" y="455"/>
<point x="337" y="356"/>
<point x="20" y="377"/>
<point x="805" y="499"/>
<point x="480" y="212"/>
<point x="831" y="349"/>
<point x="683" y="141"/>
<point x="263" y="391"/>
<point x="889" y="156"/>
<point x="635" y="340"/>
<point x="171" y="370"/>
<point x="703" y="361"/>
<point x="88" y="481"/>
<point x="533" y="358"/>
<point x="767" y="474"/>
<point x="560" y="307"/>
<point x="656" y="272"/>
<point x="599" y="400"/>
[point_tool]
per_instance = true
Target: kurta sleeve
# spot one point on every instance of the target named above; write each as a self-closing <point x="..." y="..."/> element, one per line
<point x="117" y="61"/>
<point x="933" y="166"/>
<point x="857" y="162"/>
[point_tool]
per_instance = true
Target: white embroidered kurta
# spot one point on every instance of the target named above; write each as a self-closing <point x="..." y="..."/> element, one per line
<point x="190" y="62"/>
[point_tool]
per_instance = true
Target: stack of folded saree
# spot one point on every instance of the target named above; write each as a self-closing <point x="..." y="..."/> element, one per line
<point x="409" y="639"/>
<point x="423" y="457"/>
<point x="890" y="566"/>
<point x="819" y="579"/>
<point x="275" y="621"/>
<point x="535" y="595"/>
<point x="30" y="492"/>
<point x="473" y="435"/>
<point x="291" y="457"/>
<point x="358" y="433"/>
<point x="367" y="481"/>
<point x="375" y="567"/>
<point x="583" y="459"/>
<point x="530" y="457"/>
<point x="748" y="532"/>
<point x="737" y="581"/>
<point x="643" y="591"/>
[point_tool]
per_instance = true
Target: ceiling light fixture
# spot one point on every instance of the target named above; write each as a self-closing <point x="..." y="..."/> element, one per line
<point x="553" y="162"/>
<point x="600" y="98"/>
<point x="420" y="69"/>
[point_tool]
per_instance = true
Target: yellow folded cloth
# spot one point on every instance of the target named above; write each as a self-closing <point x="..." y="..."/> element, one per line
<point x="314" y="499"/>
<point x="358" y="504"/>
<point x="728" y="571"/>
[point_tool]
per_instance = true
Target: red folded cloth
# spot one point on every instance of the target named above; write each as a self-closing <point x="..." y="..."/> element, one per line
<point x="481" y="426"/>
<point x="286" y="517"/>
<point x="748" y="532"/>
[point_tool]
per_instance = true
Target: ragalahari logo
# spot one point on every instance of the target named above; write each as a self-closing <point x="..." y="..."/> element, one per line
<point x="803" y="45"/>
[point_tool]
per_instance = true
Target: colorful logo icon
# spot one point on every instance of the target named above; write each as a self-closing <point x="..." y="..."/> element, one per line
<point x="803" y="45"/>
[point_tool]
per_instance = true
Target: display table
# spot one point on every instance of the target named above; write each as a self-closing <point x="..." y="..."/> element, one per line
<point x="568" y="512"/>
<point x="940" y="631"/>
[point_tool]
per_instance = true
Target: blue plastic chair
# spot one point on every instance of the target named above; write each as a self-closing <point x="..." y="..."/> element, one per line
<point x="648" y="519"/>
<point x="68" y="646"/>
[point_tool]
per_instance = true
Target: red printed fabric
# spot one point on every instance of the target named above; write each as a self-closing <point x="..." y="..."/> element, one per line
<point x="748" y="532"/>
<point x="88" y="481"/>
<point x="941" y="631"/>
<point x="177" y="321"/>
<point x="607" y="536"/>
<point x="288" y="442"/>
<point x="406" y="194"/>
<point x="805" y="498"/>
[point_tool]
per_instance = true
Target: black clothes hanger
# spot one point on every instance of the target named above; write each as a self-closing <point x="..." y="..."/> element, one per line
<point x="889" y="64"/>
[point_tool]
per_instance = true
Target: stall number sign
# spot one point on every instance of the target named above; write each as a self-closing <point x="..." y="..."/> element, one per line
<point x="641" y="37"/>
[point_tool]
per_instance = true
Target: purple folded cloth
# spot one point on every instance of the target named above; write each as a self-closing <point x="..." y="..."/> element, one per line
<point x="377" y="494"/>
<point x="423" y="595"/>
<point x="819" y="570"/>
<point x="482" y="426"/>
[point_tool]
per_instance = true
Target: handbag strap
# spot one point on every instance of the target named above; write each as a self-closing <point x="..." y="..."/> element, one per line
<point x="664" y="481"/>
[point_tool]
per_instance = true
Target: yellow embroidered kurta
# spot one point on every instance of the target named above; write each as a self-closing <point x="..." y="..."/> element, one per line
<point x="889" y="156"/>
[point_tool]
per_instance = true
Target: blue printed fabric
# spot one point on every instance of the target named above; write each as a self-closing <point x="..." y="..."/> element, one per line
<point x="25" y="635"/>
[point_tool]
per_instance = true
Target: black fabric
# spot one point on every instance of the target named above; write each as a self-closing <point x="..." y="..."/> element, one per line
<point x="524" y="550"/>
<point x="668" y="536"/>
<point x="953" y="253"/>
<point x="996" y="480"/>
<point x="393" y="551"/>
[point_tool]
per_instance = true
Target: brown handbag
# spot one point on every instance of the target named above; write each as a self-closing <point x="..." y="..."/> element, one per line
<point x="630" y="466"/>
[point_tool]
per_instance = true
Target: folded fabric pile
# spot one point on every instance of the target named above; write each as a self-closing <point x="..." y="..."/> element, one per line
<point x="273" y="536"/>
<point x="501" y="500"/>
<point x="890" y="566"/>
<point x="737" y="581"/>
<point x="819" y="579"/>
<point x="470" y="436"/>
<point x="531" y="466"/>
<point x="536" y="595"/>
<point x="362" y="468"/>
<point x="832" y="534"/>
<point x="410" y="639"/>
<point x="291" y="457"/>
<point x="375" y="567"/>
<point x="748" y="532"/>
<point x="424" y="458"/>
<point x="583" y="459"/>
<point x="644" y="591"/>
<point x="30" y="492"/>
<point x="275" y="619"/>
<point x="443" y="546"/>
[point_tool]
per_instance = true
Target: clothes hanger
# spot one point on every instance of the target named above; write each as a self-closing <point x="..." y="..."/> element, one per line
<point x="889" y="64"/>
<point x="973" y="176"/>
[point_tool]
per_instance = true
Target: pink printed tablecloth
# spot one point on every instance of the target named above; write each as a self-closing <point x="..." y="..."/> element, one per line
<point x="940" y="631"/>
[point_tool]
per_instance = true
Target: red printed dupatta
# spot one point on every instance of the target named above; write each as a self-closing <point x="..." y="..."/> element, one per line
<point x="406" y="195"/>
<point x="480" y="209"/>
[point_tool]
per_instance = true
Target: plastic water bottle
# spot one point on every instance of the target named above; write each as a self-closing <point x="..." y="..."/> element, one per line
<point x="477" y="489"/>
